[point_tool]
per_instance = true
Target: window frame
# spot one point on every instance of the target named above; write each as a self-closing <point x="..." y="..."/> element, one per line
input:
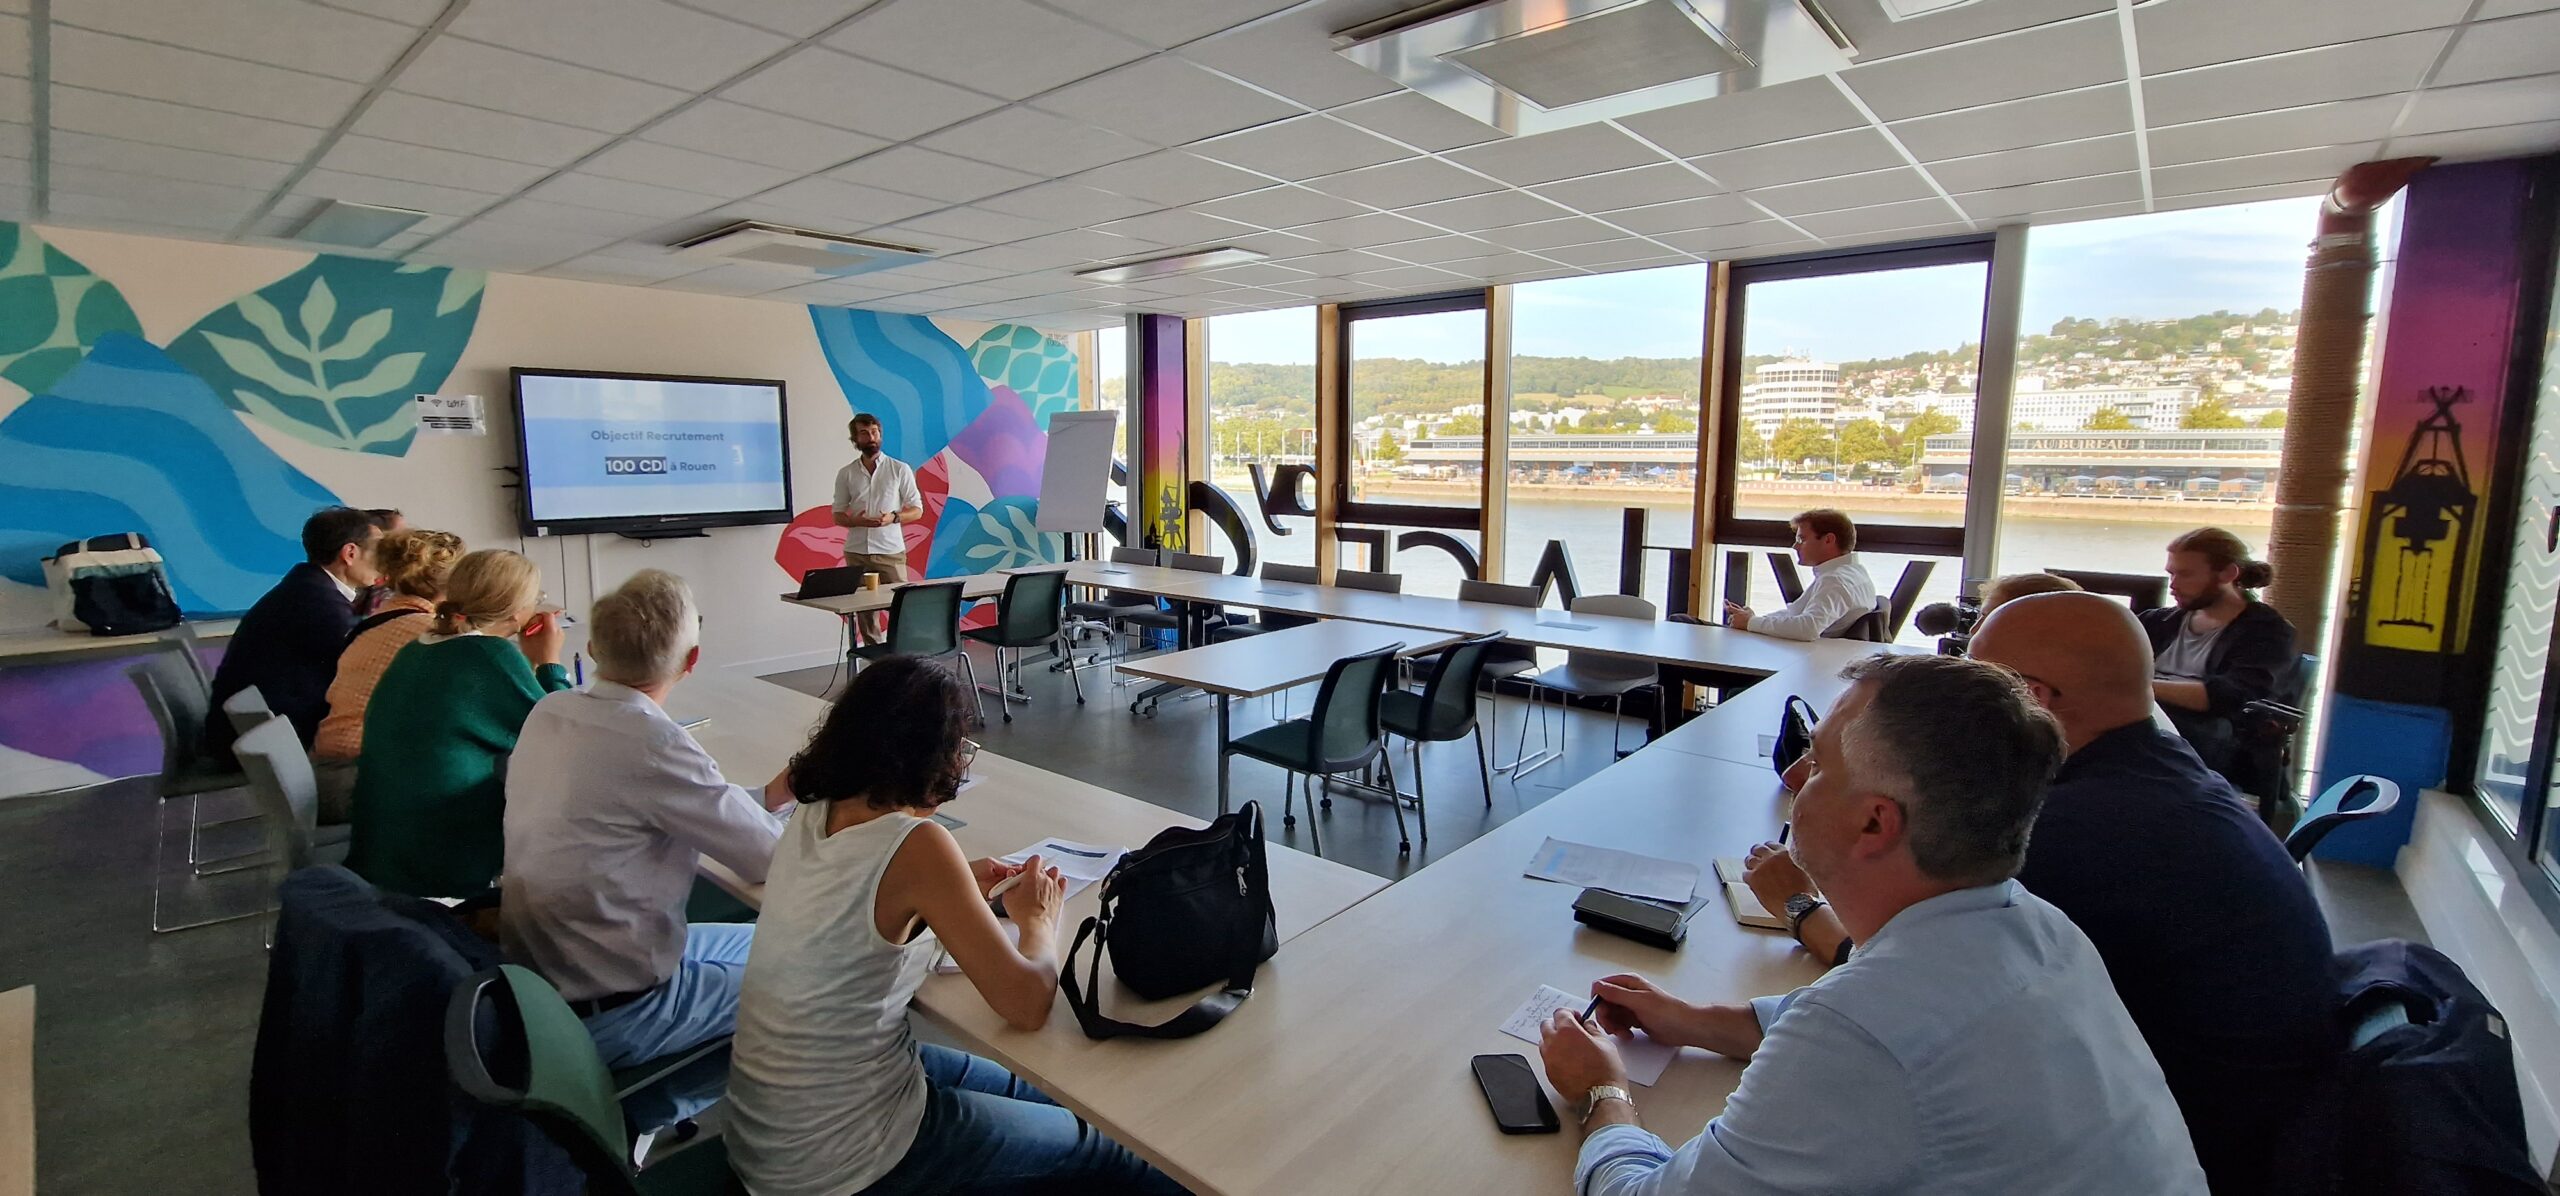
<point x="1382" y="514"/>
<point x="1909" y="539"/>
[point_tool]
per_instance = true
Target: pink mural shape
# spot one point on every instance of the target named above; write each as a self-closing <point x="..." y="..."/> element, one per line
<point x="812" y="541"/>
<point x="1005" y="445"/>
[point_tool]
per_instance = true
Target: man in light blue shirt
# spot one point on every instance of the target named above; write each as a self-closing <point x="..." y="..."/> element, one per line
<point x="1972" y="1044"/>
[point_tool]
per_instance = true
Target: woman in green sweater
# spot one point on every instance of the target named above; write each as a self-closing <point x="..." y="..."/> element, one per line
<point x="431" y="783"/>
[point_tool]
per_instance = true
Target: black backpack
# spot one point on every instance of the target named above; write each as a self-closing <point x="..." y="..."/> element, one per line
<point x="110" y="585"/>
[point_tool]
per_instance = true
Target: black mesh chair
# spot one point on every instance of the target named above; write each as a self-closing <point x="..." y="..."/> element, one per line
<point x="1369" y="579"/>
<point x="924" y="620"/>
<point x="1445" y="711"/>
<point x="172" y="690"/>
<point x="1027" y="616"/>
<point x="1113" y="608"/>
<point x="1341" y="735"/>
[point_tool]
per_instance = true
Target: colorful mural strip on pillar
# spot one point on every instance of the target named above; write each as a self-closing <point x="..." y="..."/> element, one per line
<point x="1161" y="383"/>
<point x="2414" y="610"/>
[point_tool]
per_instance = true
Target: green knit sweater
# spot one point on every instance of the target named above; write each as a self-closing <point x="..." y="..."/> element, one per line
<point x="431" y="784"/>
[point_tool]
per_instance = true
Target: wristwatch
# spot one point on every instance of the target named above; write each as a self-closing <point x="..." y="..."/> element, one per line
<point x="1799" y="907"/>
<point x="1600" y="1092"/>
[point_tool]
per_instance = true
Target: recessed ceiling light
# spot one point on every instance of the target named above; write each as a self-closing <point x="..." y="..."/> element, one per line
<point x="824" y="255"/>
<point x="1179" y="263"/>
<point x="356" y="225"/>
<point x="1904" y="10"/>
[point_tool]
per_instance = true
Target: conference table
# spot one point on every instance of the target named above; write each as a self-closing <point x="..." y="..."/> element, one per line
<point x="1273" y="661"/>
<point x="44" y="645"/>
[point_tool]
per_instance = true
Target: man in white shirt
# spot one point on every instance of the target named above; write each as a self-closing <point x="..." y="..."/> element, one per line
<point x="1839" y="594"/>
<point x="610" y="804"/>
<point x="876" y="496"/>
<point x="1973" y="1043"/>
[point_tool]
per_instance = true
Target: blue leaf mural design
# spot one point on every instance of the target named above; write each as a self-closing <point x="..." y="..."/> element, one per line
<point x="332" y="352"/>
<point x="1003" y="535"/>
<point x="129" y="440"/>
<point x="902" y="368"/>
<point x="1026" y="361"/>
<point x="51" y="309"/>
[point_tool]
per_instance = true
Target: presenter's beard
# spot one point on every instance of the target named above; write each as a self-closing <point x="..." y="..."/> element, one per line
<point x="871" y="452"/>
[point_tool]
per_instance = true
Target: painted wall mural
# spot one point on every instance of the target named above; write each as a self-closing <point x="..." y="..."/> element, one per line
<point x="971" y="420"/>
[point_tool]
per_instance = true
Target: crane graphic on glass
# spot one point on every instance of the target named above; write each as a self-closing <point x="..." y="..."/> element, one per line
<point x="2417" y="536"/>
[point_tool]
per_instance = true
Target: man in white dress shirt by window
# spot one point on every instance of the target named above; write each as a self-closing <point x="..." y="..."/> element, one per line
<point x="610" y="805"/>
<point x="1839" y="593"/>
<point x="876" y="497"/>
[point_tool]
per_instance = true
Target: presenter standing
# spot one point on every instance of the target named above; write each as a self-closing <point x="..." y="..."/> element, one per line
<point x="876" y="496"/>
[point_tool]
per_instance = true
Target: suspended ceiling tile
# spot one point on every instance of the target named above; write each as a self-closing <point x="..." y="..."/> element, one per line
<point x="1859" y="222"/>
<point x="157" y="123"/>
<point x="1547" y="234"/>
<point x="912" y="171"/>
<point x="1733" y="237"/>
<point x="1853" y="191"/>
<point x="2267" y="132"/>
<point x="2382" y="66"/>
<point x="2506" y="49"/>
<point x="668" y="166"/>
<point x="393" y="193"/>
<point x="469" y="72"/>
<point x="1358" y="232"/>
<point x="1034" y="141"/>
<point x="2176" y="36"/>
<point x="535" y="213"/>
<point x="1419" y="121"/>
<point x="1440" y="250"/>
<point x="2007" y="203"/>
<point x="1302" y="148"/>
<point x="2257" y="170"/>
<point x="2478" y="145"/>
<point x="1279" y="207"/>
<point x="107" y="63"/>
<point x="2066" y="116"/>
<point x="1501" y="209"/>
<point x="790" y="18"/>
<point x="1660" y="183"/>
<point x="1066" y="203"/>
<point x="616" y="195"/>
<point x="851" y="204"/>
<point x="1004" y="47"/>
<point x="1878" y="36"/>
<point x="644" y="39"/>
<point x="837" y="89"/>
<point x="423" y="164"/>
<point x="765" y="138"/>
<point x="1172" y="177"/>
<point x="2050" y="58"/>
<point x="1563" y="154"/>
<point x="978" y="224"/>
<point x="1165" y="101"/>
<point x="1177" y="227"/>
<point x="2059" y="160"/>
<point x="1290" y="57"/>
<point x="1801" y="108"/>
<point x="1686" y="214"/>
<point x="1852" y="151"/>
<point x="2218" y="199"/>
<point x="1168" y="23"/>
<point x="416" y="120"/>
<point x="2484" y="105"/>
<point x="1605" y="253"/>
<point x="1411" y="280"/>
<point x="1404" y="184"/>
<point x="276" y="32"/>
<point x="134" y="157"/>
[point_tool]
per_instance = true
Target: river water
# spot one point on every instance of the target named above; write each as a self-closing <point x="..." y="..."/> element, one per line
<point x="1591" y="532"/>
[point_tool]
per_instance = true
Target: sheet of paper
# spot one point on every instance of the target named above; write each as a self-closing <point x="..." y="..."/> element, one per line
<point x="1585" y="866"/>
<point x="1747" y="910"/>
<point x="1729" y="870"/>
<point x="1768" y="745"/>
<point x="1644" y="1057"/>
<point x="1080" y="863"/>
<point x="1562" y="625"/>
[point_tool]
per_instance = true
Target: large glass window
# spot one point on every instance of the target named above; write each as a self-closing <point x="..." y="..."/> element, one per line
<point x="1854" y="388"/>
<point x="1111" y="393"/>
<point x="1604" y="416"/>
<point x="2155" y="356"/>
<point x="2528" y="620"/>
<point x="1261" y="406"/>
<point x="1410" y="367"/>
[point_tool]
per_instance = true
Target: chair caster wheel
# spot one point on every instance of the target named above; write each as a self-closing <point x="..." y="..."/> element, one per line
<point x="1079" y="701"/>
<point x="1404" y="849"/>
<point x="1328" y="803"/>
<point x="1289" y="820"/>
<point x="1008" y="717"/>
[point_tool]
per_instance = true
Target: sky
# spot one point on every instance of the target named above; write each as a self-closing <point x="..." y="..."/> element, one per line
<point x="2240" y="258"/>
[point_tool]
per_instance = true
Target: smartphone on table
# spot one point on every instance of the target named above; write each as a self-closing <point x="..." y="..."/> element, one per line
<point x="1512" y="1089"/>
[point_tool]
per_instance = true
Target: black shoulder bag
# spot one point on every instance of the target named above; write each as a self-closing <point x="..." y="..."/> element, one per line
<point x="1795" y="734"/>
<point x="1191" y="908"/>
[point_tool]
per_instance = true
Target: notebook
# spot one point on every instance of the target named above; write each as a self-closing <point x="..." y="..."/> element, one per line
<point x="1747" y="910"/>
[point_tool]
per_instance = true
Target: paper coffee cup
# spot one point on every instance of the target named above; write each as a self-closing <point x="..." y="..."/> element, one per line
<point x="870" y="581"/>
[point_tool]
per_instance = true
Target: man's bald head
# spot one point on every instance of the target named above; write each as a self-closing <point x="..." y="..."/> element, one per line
<point x="2085" y="655"/>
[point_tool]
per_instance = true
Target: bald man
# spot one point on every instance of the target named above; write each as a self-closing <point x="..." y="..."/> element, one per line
<point x="2211" y="936"/>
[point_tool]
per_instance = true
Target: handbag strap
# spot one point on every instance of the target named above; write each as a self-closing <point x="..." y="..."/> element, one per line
<point x="1086" y="998"/>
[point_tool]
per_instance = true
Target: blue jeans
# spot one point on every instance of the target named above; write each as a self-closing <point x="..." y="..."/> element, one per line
<point x="986" y="1131"/>
<point x="699" y="1003"/>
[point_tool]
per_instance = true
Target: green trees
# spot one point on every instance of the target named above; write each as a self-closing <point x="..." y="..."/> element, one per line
<point x="2272" y="419"/>
<point x="1799" y="441"/>
<point x="2108" y="419"/>
<point x="1388" y="451"/>
<point x="1862" y="441"/>
<point x="1916" y="432"/>
<point x="2210" y="414"/>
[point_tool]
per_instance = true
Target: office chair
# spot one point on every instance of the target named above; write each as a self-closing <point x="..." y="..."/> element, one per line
<point x="2330" y="810"/>
<point x="1587" y="674"/>
<point x="1369" y="579"/>
<point x="1340" y="735"/>
<point x="924" y="620"/>
<point x="179" y="708"/>
<point x="1027" y="616"/>
<point x="1445" y="711"/>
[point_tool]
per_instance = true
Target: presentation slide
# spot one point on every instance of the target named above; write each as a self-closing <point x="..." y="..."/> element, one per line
<point x="605" y="448"/>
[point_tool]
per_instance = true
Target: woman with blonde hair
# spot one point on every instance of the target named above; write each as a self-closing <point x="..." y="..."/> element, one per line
<point x="413" y="564"/>
<point x="430" y="798"/>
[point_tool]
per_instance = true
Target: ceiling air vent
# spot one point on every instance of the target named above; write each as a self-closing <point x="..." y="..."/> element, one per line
<point x="1530" y="66"/>
<point x="808" y="252"/>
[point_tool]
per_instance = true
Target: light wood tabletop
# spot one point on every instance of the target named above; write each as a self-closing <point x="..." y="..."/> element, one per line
<point x="1276" y="660"/>
<point x="44" y="645"/>
<point x="974" y="585"/>
<point x="18" y="1092"/>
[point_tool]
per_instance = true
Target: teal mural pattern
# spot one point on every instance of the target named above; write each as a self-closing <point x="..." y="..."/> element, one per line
<point x="1032" y="365"/>
<point x="332" y="353"/>
<point x="51" y="310"/>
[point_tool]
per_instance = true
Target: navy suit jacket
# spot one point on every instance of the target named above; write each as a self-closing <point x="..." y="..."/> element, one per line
<point x="287" y="646"/>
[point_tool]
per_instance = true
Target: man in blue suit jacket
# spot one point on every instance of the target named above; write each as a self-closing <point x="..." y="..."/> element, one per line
<point x="288" y="643"/>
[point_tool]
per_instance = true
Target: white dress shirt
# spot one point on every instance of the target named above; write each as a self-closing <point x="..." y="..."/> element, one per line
<point x="609" y="806"/>
<point x="885" y="487"/>
<point x="1840" y="588"/>
<point x="1974" y="1045"/>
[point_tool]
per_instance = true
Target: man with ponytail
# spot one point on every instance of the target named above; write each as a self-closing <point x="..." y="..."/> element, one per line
<point x="2216" y="648"/>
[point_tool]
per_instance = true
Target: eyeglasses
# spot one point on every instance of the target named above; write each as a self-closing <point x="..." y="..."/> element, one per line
<point x="968" y="753"/>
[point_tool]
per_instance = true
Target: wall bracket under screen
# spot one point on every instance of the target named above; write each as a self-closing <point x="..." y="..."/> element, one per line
<point x="690" y="533"/>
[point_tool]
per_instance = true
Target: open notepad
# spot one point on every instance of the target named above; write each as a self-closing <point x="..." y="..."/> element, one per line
<point x="1747" y="909"/>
